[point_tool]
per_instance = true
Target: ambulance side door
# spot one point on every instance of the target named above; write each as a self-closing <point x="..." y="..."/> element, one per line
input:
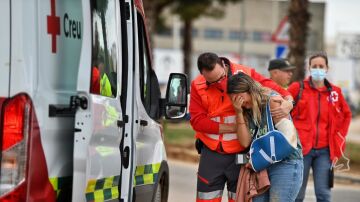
<point x="99" y="121"/>
<point x="150" y="150"/>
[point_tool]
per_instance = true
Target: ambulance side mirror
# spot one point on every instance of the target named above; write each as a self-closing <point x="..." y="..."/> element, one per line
<point x="176" y="96"/>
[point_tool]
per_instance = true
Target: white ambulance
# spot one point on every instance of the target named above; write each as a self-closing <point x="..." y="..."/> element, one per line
<point x="80" y="103"/>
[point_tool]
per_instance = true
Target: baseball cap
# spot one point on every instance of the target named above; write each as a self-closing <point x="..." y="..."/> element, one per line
<point x="281" y="64"/>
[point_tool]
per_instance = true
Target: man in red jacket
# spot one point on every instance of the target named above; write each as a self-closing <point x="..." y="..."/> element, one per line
<point x="213" y="119"/>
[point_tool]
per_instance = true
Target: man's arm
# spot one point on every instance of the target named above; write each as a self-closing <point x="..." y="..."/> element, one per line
<point x="345" y="109"/>
<point x="286" y="104"/>
<point x="199" y="117"/>
<point x="270" y="84"/>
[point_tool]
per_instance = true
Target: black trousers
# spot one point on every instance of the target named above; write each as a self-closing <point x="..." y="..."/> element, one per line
<point x="216" y="169"/>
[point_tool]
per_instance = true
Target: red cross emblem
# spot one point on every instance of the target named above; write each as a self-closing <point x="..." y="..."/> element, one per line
<point x="334" y="96"/>
<point x="53" y="26"/>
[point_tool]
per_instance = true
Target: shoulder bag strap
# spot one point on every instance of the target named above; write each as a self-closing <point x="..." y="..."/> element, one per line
<point x="298" y="97"/>
<point x="270" y="123"/>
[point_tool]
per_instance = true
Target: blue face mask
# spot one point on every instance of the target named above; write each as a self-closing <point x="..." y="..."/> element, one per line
<point x="318" y="74"/>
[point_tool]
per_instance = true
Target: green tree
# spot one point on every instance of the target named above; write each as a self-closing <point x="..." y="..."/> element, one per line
<point x="299" y="18"/>
<point x="188" y="11"/>
<point x="153" y="10"/>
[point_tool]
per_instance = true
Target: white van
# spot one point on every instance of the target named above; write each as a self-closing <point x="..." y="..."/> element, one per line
<point x="80" y="103"/>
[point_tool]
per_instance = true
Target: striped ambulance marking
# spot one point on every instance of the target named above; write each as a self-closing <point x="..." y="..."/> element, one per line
<point x="102" y="189"/>
<point x="59" y="183"/>
<point x="146" y="174"/>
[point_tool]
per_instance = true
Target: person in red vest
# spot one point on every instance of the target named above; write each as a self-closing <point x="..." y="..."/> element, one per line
<point x="95" y="80"/>
<point x="322" y="118"/>
<point x="213" y="118"/>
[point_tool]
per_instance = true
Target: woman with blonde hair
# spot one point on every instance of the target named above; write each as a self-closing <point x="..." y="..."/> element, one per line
<point x="249" y="100"/>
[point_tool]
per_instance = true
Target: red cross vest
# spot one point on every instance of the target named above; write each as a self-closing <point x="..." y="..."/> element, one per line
<point x="221" y="110"/>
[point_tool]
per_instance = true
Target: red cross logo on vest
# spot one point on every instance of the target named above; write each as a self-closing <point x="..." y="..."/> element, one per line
<point x="334" y="96"/>
<point x="53" y="26"/>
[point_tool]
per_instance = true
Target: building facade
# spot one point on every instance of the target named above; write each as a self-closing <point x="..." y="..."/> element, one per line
<point x="243" y="34"/>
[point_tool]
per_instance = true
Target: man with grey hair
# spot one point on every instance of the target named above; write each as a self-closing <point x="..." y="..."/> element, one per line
<point x="281" y="71"/>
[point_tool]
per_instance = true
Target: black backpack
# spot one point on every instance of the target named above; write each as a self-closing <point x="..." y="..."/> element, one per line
<point x="298" y="97"/>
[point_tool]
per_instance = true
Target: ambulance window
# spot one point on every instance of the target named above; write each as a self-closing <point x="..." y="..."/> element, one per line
<point x="104" y="46"/>
<point x="145" y="66"/>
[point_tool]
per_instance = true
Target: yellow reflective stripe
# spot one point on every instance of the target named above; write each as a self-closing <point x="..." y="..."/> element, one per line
<point x="105" y="86"/>
<point x="104" y="150"/>
<point x="139" y="170"/>
<point x="146" y="174"/>
<point x="99" y="196"/>
<point x="91" y="186"/>
<point x="156" y="167"/>
<point x="114" y="192"/>
<point x="54" y="183"/>
<point x="102" y="189"/>
<point x="108" y="182"/>
<point x="60" y="183"/>
<point x="148" y="179"/>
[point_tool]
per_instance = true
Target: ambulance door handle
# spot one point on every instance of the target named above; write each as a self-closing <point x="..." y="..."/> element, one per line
<point x="142" y="122"/>
<point x="120" y="123"/>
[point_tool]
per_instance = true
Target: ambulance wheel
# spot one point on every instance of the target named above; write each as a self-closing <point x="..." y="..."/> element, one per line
<point x="162" y="186"/>
<point x="162" y="189"/>
<point x="158" y="193"/>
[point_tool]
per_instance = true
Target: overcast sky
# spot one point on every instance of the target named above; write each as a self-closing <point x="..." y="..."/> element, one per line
<point x="342" y="16"/>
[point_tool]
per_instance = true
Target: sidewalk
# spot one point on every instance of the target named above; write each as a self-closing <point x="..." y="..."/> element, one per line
<point x="347" y="177"/>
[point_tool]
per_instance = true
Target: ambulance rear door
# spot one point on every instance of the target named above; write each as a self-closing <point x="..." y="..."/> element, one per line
<point x="100" y="103"/>
<point x="5" y="49"/>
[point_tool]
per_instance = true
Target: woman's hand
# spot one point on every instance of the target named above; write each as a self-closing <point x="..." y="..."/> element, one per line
<point x="237" y="102"/>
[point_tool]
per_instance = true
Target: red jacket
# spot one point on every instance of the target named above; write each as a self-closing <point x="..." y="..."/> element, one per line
<point x="201" y="112"/>
<point x="321" y="117"/>
<point x="95" y="81"/>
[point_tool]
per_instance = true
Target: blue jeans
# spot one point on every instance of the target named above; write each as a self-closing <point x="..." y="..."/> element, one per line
<point x="285" y="179"/>
<point x="319" y="160"/>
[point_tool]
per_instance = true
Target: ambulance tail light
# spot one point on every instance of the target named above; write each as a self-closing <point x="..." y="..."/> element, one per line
<point x="15" y="125"/>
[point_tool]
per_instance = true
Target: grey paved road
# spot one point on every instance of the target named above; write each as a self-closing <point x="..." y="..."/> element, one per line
<point x="183" y="186"/>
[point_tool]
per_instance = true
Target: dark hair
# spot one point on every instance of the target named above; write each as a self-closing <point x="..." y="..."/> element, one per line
<point x="207" y="61"/>
<point x="319" y="54"/>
